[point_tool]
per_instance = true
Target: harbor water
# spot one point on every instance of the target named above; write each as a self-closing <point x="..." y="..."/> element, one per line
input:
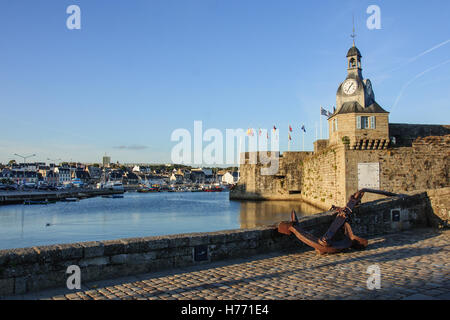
<point x="136" y="215"/>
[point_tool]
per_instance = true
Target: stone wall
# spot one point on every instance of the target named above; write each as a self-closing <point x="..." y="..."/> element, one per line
<point x="405" y="134"/>
<point x="330" y="176"/>
<point x="285" y="184"/>
<point x="316" y="178"/>
<point x="38" y="268"/>
<point x="323" y="176"/>
<point x="439" y="206"/>
<point x="425" y="165"/>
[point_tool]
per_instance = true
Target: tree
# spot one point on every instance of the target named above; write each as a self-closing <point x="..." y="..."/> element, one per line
<point x="11" y="162"/>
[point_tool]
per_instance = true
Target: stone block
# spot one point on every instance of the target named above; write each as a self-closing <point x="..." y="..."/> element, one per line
<point x="198" y="239"/>
<point x="160" y="264"/>
<point x="119" y="259"/>
<point x="217" y="238"/>
<point x="182" y="261"/>
<point x="44" y="281"/>
<point x="71" y="251"/>
<point x="156" y="244"/>
<point x="135" y="245"/>
<point x="113" y="247"/>
<point x="97" y="261"/>
<point x="178" y="241"/>
<point x="6" y="287"/>
<point x="48" y="254"/>
<point x="20" y="285"/>
<point x="92" y="249"/>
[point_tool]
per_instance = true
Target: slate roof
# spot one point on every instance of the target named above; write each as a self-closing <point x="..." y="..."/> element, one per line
<point x="353" y="51"/>
<point x="355" y="107"/>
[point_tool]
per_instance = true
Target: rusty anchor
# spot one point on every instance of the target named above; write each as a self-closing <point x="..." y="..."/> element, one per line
<point x="327" y="244"/>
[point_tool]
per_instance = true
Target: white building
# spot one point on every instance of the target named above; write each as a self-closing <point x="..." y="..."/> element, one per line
<point x="230" y="178"/>
<point x="64" y="174"/>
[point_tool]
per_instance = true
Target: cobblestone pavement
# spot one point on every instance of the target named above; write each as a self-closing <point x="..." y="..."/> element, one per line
<point x="413" y="264"/>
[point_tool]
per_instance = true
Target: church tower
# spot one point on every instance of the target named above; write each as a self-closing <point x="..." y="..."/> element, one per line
<point x="358" y="121"/>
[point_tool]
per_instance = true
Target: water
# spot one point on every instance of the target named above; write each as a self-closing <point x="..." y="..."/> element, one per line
<point x="136" y="215"/>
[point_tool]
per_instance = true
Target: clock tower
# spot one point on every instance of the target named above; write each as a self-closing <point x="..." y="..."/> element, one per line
<point x="358" y="122"/>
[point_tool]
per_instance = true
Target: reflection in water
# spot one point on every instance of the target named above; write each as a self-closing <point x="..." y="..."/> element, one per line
<point x="136" y="215"/>
<point x="264" y="213"/>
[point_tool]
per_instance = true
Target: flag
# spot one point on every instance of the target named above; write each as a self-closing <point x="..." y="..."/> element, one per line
<point x="267" y="134"/>
<point x="324" y="112"/>
<point x="274" y="128"/>
<point x="260" y="131"/>
<point x="290" y="128"/>
<point x="303" y="128"/>
<point x="289" y="137"/>
<point x="250" y="132"/>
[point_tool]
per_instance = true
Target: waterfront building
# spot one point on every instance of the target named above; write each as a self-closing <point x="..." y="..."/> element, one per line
<point x="198" y="176"/>
<point x="130" y="178"/>
<point x="94" y="172"/>
<point x="64" y="175"/>
<point x="230" y="177"/>
<point x="82" y="175"/>
<point x="116" y="175"/>
<point x="51" y="177"/>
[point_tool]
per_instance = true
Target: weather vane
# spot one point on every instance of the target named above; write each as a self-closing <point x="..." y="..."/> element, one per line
<point x="353" y="35"/>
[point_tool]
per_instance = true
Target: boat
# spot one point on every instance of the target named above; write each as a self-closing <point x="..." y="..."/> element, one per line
<point x="148" y="189"/>
<point x="213" y="189"/>
<point x="115" y="186"/>
<point x="31" y="202"/>
<point x="113" y="196"/>
<point x="70" y="199"/>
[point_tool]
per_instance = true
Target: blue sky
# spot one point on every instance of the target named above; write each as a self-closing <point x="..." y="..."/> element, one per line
<point x="137" y="70"/>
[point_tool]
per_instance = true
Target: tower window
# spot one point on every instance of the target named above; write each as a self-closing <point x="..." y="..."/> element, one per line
<point x="362" y="122"/>
<point x="352" y="63"/>
<point x="335" y="125"/>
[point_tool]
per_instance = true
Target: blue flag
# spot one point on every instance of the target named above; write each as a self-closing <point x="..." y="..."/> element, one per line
<point x="324" y="112"/>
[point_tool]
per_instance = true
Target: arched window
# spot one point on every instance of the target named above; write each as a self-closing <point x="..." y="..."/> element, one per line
<point x="352" y="63"/>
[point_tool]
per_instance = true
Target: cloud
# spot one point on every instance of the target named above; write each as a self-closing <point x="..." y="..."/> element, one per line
<point x="131" y="147"/>
<point x="415" y="78"/>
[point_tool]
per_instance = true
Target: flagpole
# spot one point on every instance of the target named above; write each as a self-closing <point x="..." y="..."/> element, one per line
<point x="315" y="124"/>
<point x="240" y="147"/>
<point x="303" y="138"/>
<point x="321" y="123"/>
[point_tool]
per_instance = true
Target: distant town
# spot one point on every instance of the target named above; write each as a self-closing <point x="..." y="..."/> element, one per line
<point x="142" y="177"/>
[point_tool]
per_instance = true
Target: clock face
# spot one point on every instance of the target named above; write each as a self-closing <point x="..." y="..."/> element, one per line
<point x="349" y="86"/>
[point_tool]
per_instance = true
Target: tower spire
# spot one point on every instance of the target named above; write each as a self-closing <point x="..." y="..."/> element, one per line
<point x="353" y="35"/>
